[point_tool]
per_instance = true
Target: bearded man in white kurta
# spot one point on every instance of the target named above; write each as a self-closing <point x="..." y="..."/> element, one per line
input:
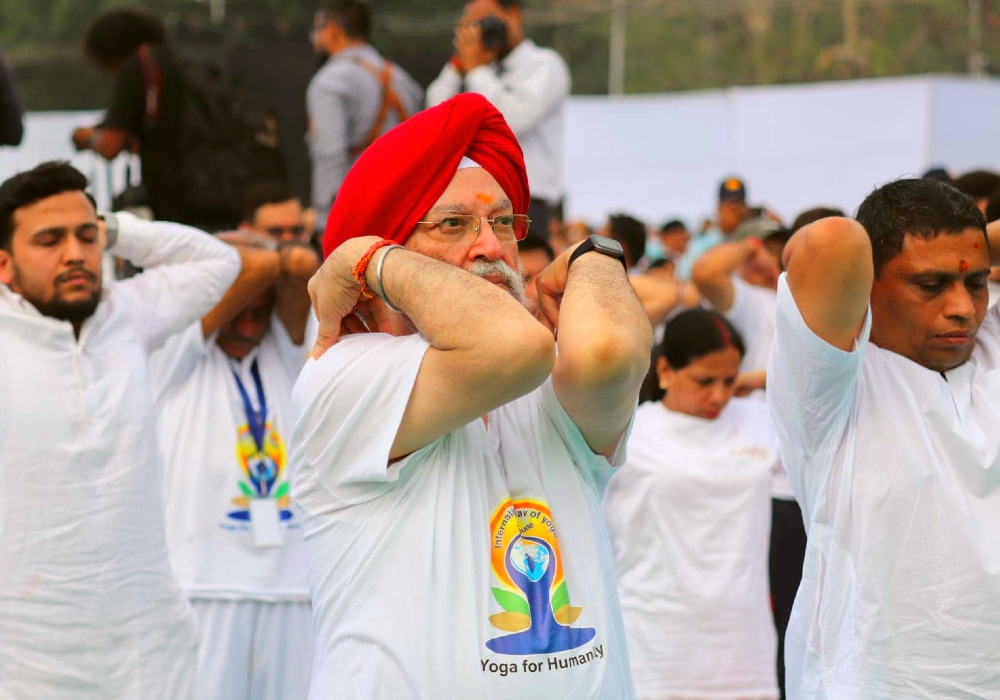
<point x="883" y="386"/>
<point x="89" y="607"/>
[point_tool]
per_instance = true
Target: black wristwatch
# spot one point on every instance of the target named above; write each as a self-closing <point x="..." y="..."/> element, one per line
<point x="600" y="244"/>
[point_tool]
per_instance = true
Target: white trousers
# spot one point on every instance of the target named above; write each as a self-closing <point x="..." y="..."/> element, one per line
<point x="252" y="650"/>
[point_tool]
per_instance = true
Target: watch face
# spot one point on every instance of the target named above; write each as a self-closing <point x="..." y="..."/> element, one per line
<point x="608" y="246"/>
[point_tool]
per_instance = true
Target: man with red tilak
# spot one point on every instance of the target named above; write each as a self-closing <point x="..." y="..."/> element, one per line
<point x="451" y="462"/>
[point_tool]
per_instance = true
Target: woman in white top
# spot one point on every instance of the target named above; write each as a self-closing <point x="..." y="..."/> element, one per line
<point x="689" y="516"/>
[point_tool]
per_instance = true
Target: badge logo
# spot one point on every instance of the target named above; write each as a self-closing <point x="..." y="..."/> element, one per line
<point x="263" y="473"/>
<point x="532" y="591"/>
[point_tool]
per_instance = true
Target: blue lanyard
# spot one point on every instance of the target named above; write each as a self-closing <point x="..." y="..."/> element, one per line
<point x="256" y="420"/>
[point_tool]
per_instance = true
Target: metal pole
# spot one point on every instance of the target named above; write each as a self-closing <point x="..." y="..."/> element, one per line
<point x="616" y="49"/>
<point x="977" y="59"/>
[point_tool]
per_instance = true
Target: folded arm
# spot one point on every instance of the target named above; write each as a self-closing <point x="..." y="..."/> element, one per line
<point x="186" y="272"/>
<point x="713" y="272"/>
<point x="486" y="349"/>
<point x="604" y="341"/>
<point x="298" y="263"/>
<point x="830" y="276"/>
<point x="658" y="296"/>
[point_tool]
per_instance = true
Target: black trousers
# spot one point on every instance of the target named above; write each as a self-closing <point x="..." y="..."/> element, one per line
<point x="788" y="549"/>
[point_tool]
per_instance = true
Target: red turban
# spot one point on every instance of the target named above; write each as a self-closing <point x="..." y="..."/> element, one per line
<point x="400" y="176"/>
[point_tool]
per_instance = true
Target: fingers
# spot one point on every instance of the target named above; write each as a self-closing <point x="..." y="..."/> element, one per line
<point x="326" y="337"/>
<point x="548" y="309"/>
<point x="381" y="317"/>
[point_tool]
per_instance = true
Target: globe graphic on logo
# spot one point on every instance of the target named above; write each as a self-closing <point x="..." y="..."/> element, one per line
<point x="530" y="559"/>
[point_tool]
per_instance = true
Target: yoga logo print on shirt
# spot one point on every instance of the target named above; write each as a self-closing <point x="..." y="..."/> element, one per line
<point x="537" y="615"/>
<point x="263" y="472"/>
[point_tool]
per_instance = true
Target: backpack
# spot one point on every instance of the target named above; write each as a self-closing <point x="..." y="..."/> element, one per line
<point x="227" y="143"/>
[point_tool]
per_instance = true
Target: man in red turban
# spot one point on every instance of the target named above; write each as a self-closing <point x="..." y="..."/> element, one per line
<point x="450" y="463"/>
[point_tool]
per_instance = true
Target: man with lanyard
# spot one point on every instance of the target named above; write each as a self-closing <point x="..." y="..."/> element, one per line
<point x="528" y="83"/>
<point x="449" y="465"/>
<point x="883" y="385"/>
<point x="234" y="537"/>
<point x="88" y="605"/>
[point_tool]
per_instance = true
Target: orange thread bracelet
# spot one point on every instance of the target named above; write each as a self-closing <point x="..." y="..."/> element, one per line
<point x="362" y="268"/>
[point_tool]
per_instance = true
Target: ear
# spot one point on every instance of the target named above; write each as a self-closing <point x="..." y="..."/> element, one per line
<point x="6" y="268"/>
<point x="663" y="371"/>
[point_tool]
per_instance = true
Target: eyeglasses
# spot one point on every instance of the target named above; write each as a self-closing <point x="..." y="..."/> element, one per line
<point x="280" y="231"/>
<point x="452" y="229"/>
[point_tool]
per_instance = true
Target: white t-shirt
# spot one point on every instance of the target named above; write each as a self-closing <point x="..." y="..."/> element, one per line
<point x="752" y="314"/>
<point x="213" y="471"/>
<point x="89" y="607"/>
<point x="897" y="469"/>
<point x="478" y="567"/>
<point x="690" y="518"/>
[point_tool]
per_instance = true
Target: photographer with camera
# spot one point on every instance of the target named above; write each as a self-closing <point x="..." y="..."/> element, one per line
<point x="527" y="83"/>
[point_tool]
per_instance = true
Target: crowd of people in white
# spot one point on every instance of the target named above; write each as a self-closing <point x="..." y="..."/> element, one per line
<point x="458" y="455"/>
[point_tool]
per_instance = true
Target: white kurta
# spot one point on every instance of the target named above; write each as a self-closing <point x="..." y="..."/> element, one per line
<point x="88" y="605"/>
<point x="897" y="469"/>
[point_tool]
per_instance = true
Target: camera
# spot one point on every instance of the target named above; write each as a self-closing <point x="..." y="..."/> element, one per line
<point x="493" y="31"/>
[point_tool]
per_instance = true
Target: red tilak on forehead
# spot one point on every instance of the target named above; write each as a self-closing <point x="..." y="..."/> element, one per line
<point x="963" y="266"/>
<point x="976" y="246"/>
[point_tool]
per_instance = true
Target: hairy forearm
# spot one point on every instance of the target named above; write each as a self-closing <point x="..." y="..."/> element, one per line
<point x="604" y="332"/>
<point x="258" y="270"/>
<point x="450" y="307"/>
<point x="298" y="263"/>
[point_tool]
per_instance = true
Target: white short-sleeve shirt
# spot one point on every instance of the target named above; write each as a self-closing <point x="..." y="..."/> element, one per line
<point x="689" y="517"/>
<point x="752" y="314"/>
<point x="897" y="470"/>
<point x="477" y="567"/>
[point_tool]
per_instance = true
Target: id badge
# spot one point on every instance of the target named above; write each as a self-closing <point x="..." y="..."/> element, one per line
<point x="266" y="522"/>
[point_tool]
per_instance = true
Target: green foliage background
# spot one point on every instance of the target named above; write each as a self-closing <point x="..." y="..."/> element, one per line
<point x="671" y="44"/>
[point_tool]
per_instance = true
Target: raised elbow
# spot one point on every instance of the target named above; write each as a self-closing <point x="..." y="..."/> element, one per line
<point x="834" y="239"/>
<point x="538" y="349"/>
<point x="526" y="357"/>
<point x="701" y="271"/>
<point x="609" y="359"/>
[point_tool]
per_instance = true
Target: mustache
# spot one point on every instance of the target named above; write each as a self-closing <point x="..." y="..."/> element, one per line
<point x="488" y="268"/>
<point x="498" y="268"/>
<point x="91" y="277"/>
